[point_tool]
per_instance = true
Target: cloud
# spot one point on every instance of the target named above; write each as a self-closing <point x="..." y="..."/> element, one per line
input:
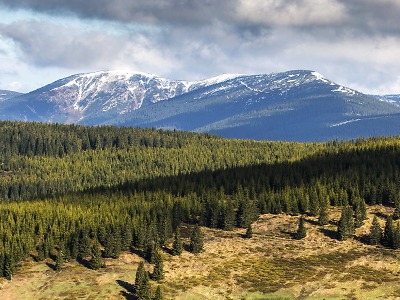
<point x="149" y="11"/>
<point x="361" y="16"/>
<point x="354" y="42"/>
<point x="45" y="44"/>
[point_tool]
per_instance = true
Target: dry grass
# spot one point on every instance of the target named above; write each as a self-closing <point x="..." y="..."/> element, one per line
<point x="271" y="265"/>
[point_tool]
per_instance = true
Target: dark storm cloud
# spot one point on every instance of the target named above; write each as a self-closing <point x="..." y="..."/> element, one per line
<point x="150" y="11"/>
<point x="248" y="16"/>
<point x="377" y="17"/>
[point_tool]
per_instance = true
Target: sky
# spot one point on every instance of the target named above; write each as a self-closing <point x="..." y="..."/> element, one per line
<point x="355" y="43"/>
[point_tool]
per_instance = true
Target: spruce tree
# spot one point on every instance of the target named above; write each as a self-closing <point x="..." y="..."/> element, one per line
<point x="113" y="244"/>
<point x="396" y="213"/>
<point x="9" y="266"/>
<point x="83" y="244"/>
<point x="346" y="223"/>
<point x="388" y="232"/>
<point x="323" y="218"/>
<point x="396" y="237"/>
<point x="139" y="275"/>
<point x="59" y="260"/>
<point x="143" y="292"/>
<point x="196" y="240"/>
<point x="177" y="245"/>
<point x="96" y="262"/>
<point x="360" y="212"/>
<point x="158" y="272"/>
<point x="301" y="230"/>
<point x="158" y="295"/>
<point x="375" y="235"/>
<point x="249" y="232"/>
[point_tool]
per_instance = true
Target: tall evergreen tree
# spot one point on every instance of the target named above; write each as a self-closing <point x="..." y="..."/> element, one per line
<point x="59" y="260"/>
<point x="249" y="232"/>
<point x="96" y="262"/>
<point x="158" y="295"/>
<point x="396" y="237"/>
<point x="323" y="218"/>
<point x="375" y="235"/>
<point x="143" y="292"/>
<point x="139" y="275"/>
<point x="301" y="230"/>
<point x="158" y="272"/>
<point x="196" y="240"/>
<point x="83" y="244"/>
<point x="388" y="232"/>
<point x="177" y="245"/>
<point x="346" y="223"/>
<point x="9" y="266"/>
<point x="360" y="212"/>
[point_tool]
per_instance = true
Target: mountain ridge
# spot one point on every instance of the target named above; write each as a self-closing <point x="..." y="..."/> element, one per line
<point x="294" y="105"/>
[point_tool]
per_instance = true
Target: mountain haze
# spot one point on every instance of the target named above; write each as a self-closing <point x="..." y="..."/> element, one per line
<point x="296" y="105"/>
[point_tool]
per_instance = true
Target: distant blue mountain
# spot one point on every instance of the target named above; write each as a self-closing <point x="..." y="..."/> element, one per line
<point x="4" y="95"/>
<point x="297" y="105"/>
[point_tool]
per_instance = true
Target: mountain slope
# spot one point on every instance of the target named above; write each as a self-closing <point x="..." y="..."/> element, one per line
<point x="5" y="94"/>
<point x="296" y="105"/>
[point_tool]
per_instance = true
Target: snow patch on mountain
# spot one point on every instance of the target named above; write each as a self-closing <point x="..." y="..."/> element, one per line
<point x="342" y="89"/>
<point x="344" y="123"/>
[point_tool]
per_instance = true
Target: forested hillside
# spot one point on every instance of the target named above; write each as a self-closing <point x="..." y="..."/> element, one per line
<point x="75" y="189"/>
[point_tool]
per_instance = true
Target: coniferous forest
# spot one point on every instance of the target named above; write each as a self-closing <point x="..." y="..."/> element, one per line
<point x="78" y="192"/>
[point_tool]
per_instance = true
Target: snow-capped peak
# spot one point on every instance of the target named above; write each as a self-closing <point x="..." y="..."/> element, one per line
<point x="216" y="79"/>
<point x="319" y="77"/>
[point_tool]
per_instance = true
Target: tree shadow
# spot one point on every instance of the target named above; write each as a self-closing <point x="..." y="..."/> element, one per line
<point x="138" y="252"/>
<point x="83" y="262"/>
<point x="381" y="215"/>
<point x="186" y="247"/>
<point x="330" y="233"/>
<point x="51" y="266"/>
<point x="129" y="290"/>
<point x="128" y="296"/>
<point x="365" y="239"/>
<point x="312" y="222"/>
<point x="167" y="250"/>
<point x="289" y="233"/>
<point x="127" y="286"/>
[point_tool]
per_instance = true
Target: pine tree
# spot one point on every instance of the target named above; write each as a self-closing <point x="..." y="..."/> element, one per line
<point x="150" y="251"/>
<point x="196" y="240"/>
<point x="177" y="245"/>
<point x="249" y="232"/>
<point x="96" y="262"/>
<point x="139" y="275"/>
<point x="396" y="237"/>
<point x="158" y="295"/>
<point x="143" y="292"/>
<point x="388" y="232"/>
<point x="301" y="230"/>
<point x="9" y="266"/>
<point x="83" y="244"/>
<point x="396" y="213"/>
<point x="229" y="216"/>
<point x="360" y="212"/>
<point x="158" y="272"/>
<point x="375" y="235"/>
<point x="346" y="223"/>
<point x="59" y="260"/>
<point x="323" y="218"/>
<point x="113" y="244"/>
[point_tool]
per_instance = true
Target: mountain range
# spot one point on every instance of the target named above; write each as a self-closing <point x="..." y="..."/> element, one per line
<point x="298" y="105"/>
